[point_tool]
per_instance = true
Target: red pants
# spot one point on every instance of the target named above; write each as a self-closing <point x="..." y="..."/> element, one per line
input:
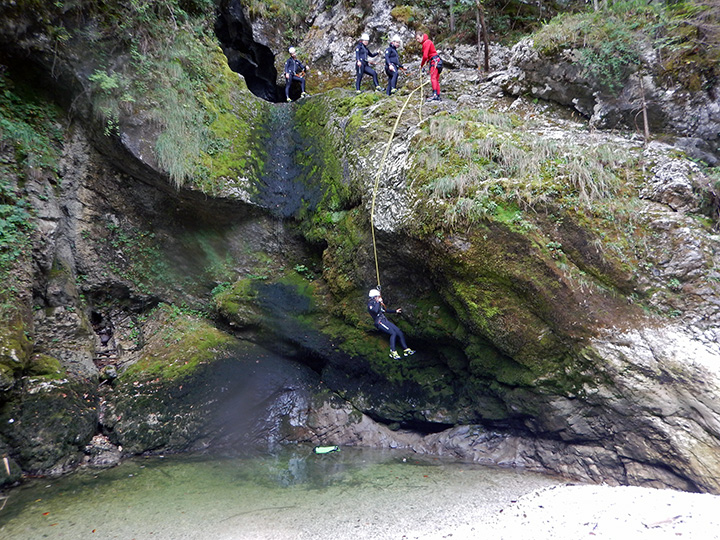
<point x="434" y="77"/>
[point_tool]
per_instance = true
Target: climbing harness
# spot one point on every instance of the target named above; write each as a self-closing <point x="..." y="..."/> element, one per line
<point x="379" y="170"/>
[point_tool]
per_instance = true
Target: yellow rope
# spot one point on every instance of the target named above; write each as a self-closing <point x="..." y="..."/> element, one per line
<point x="377" y="179"/>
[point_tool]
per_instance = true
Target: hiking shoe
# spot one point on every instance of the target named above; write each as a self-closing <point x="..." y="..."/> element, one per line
<point x="394" y="355"/>
<point x="304" y="94"/>
<point x="408" y="352"/>
<point x="358" y="91"/>
<point x="289" y="100"/>
<point x="393" y="90"/>
<point x="378" y="88"/>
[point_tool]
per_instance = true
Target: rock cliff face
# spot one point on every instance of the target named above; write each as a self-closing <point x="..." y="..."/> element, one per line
<point x="565" y="320"/>
<point x="692" y="116"/>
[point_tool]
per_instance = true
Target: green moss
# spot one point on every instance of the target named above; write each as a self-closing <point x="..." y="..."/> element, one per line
<point x="487" y="362"/>
<point x="179" y="346"/>
<point x="15" y="346"/>
<point x="233" y="150"/>
<point x="405" y="14"/>
<point x="237" y="303"/>
<point x="354" y="102"/>
<point x="434" y="320"/>
<point x="46" y="367"/>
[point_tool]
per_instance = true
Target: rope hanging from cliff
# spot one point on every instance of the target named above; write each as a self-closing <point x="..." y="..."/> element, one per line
<point x="377" y="178"/>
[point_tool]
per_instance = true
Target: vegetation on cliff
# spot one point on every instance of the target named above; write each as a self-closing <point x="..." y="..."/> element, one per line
<point x="610" y="43"/>
<point x="508" y="246"/>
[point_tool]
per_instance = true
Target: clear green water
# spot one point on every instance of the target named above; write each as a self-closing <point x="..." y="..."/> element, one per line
<point x="354" y="493"/>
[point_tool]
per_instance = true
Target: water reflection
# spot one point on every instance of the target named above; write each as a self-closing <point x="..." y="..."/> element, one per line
<point x="295" y="493"/>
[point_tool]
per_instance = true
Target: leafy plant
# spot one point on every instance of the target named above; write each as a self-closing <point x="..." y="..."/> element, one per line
<point x="29" y="127"/>
<point x="674" y="285"/>
<point x="304" y="271"/>
<point x="555" y="249"/>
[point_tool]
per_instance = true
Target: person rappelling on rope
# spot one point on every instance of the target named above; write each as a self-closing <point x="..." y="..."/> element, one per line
<point x="377" y="311"/>
<point x="362" y="61"/>
<point x="294" y="71"/>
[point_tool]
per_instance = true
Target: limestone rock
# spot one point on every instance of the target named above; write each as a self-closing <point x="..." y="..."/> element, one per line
<point x="693" y="116"/>
<point x="681" y="185"/>
<point x="100" y="452"/>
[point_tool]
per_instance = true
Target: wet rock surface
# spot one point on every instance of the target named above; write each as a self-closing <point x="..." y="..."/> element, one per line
<point x="522" y="360"/>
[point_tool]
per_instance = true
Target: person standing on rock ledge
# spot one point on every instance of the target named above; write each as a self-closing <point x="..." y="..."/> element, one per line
<point x="377" y="311"/>
<point x="294" y="71"/>
<point x="431" y="57"/>
<point x="392" y="64"/>
<point x="362" y="61"/>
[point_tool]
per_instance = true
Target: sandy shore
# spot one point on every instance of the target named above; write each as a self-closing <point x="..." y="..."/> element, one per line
<point x="573" y="512"/>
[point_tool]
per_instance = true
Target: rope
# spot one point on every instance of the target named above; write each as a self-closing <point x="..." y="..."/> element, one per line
<point x="377" y="178"/>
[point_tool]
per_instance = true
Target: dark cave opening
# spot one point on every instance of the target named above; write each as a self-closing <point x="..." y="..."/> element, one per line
<point x="253" y="60"/>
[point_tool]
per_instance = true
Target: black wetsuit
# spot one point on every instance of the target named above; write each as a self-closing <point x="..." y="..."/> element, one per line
<point x="392" y="58"/>
<point x="293" y="66"/>
<point x="362" y="54"/>
<point x="377" y="312"/>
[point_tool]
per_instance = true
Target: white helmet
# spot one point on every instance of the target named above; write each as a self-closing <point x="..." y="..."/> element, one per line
<point x="396" y="38"/>
<point x="373" y="293"/>
<point x="365" y="37"/>
<point x="291" y="50"/>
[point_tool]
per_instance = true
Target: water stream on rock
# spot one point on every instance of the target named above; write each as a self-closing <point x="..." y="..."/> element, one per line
<point x="282" y="190"/>
<point x="354" y="493"/>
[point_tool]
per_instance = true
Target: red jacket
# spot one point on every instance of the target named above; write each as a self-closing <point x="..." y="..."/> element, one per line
<point x="428" y="49"/>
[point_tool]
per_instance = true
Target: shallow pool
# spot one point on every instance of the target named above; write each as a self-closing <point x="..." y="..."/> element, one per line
<point x="354" y="493"/>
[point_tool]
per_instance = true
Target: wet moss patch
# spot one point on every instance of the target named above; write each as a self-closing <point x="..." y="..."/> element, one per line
<point x="178" y="344"/>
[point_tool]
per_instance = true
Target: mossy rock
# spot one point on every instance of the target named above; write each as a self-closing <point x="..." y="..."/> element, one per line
<point x="237" y="304"/>
<point x="235" y="113"/>
<point x="177" y="344"/>
<point x="15" y="350"/>
<point x="159" y="402"/>
<point x="47" y="426"/>
<point x="45" y="367"/>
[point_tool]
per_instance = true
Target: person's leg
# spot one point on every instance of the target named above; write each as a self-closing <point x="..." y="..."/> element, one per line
<point x="359" y="72"/>
<point x="388" y="328"/>
<point x="392" y="82"/>
<point x="396" y="333"/>
<point x="370" y="71"/>
<point x="435" y="80"/>
<point x="302" y="83"/>
<point x="402" y="339"/>
<point x="288" y="82"/>
<point x="393" y="337"/>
